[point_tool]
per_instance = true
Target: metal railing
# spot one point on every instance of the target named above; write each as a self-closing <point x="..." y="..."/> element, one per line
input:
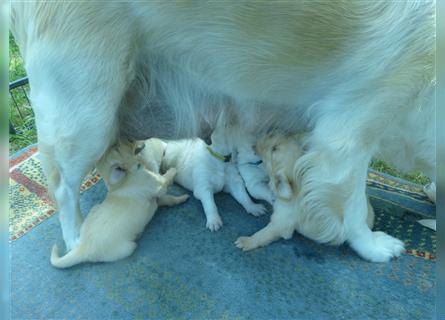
<point x="20" y="107"/>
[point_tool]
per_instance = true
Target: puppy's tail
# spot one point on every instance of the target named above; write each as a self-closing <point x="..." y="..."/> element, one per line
<point x="73" y="257"/>
<point x="169" y="200"/>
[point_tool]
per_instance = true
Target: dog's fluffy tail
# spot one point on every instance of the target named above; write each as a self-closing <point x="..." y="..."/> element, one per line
<point x="72" y="258"/>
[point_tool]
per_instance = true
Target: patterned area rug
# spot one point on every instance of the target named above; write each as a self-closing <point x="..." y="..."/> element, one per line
<point x="28" y="198"/>
<point x="181" y="270"/>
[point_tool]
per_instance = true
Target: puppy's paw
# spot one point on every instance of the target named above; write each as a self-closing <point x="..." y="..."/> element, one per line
<point x="246" y="243"/>
<point x="214" y="223"/>
<point x="256" y="209"/>
<point x="381" y="248"/>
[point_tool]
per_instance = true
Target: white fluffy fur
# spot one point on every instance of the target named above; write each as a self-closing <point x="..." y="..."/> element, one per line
<point x="355" y="74"/>
<point x="205" y="175"/>
<point x="111" y="228"/>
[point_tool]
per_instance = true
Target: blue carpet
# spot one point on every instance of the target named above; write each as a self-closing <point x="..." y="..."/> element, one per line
<point x="181" y="270"/>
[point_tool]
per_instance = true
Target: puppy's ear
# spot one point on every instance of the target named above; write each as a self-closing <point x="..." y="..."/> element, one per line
<point x="281" y="186"/>
<point x="116" y="175"/>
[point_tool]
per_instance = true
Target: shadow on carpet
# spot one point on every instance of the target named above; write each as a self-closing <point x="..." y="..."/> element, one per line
<point x="181" y="270"/>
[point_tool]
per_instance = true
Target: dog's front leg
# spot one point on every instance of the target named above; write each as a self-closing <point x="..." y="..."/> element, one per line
<point x="74" y="130"/>
<point x="282" y="225"/>
<point x="332" y="175"/>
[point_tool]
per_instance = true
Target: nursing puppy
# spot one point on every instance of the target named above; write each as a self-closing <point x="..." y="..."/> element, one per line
<point x="252" y="170"/>
<point x="278" y="152"/>
<point x="207" y="170"/>
<point x="152" y="153"/>
<point x="356" y="75"/>
<point x="111" y="228"/>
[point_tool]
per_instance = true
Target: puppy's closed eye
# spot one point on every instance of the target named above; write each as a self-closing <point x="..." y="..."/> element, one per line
<point x="281" y="186"/>
<point x="117" y="173"/>
<point x="139" y="149"/>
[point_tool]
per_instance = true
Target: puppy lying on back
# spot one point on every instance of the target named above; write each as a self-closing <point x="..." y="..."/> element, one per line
<point x="110" y="229"/>
<point x="206" y="170"/>
<point x="251" y="169"/>
<point x="279" y="152"/>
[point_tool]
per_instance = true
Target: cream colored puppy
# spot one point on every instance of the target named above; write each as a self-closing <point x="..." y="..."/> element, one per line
<point x="206" y="170"/>
<point x="152" y="154"/>
<point x="279" y="152"/>
<point x="110" y="229"/>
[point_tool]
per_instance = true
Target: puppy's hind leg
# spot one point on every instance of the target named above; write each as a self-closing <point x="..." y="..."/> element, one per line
<point x="235" y="186"/>
<point x="120" y="251"/>
<point x="261" y="191"/>
<point x="205" y="195"/>
<point x="169" y="200"/>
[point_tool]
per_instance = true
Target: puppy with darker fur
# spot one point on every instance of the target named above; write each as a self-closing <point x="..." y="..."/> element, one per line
<point x="278" y="152"/>
<point x="111" y="228"/>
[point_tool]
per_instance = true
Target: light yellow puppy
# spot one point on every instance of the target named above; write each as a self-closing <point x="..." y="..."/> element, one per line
<point x="110" y="229"/>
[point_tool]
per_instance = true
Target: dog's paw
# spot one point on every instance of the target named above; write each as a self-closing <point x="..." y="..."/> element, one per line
<point x="214" y="223"/>
<point x="246" y="243"/>
<point x="256" y="209"/>
<point x="381" y="248"/>
<point x="430" y="190"/>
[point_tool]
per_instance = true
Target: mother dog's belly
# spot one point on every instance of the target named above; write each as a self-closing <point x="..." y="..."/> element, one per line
<point x="273" y="53"/>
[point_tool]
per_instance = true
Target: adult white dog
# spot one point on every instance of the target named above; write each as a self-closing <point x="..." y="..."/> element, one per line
<point x="353" y="73"/>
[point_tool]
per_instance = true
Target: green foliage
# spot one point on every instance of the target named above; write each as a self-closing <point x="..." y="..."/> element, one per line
<point x="21" y="116"/>
<point x="16" y="68"/>
<point x="415" y="177"/>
